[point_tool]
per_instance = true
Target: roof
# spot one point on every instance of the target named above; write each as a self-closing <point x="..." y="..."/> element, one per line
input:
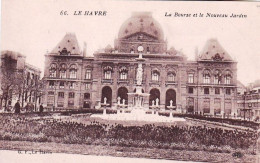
<point x="12" y="54"/>
<point x="240" y="85"/>
<point x="68" y="43"/>
<point x="141" y="22"/>
<point x="214" y="51"/>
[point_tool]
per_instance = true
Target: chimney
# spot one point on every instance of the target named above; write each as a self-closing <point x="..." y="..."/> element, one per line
<point x="196" y="53"/>
<point x="85" y="49"/>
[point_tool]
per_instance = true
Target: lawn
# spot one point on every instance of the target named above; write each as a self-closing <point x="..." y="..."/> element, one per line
<point x="85" y="135"/>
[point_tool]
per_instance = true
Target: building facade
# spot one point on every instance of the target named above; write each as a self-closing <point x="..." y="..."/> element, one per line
<point x="18" y="80"/>
<point x="206" y="85"/>
<point x="248" y="102"/>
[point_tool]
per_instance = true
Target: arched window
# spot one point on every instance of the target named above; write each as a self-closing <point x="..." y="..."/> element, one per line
<point x="171" y="77"/>
<point x="88" y="74"/>
<point x="217" y="77"/>
<point x="190" y="77"/>
<point x="73" y="72"/>
<point x="206" y="77"/>
<point x="108" y="72"/>
<point x="228" y="77"/>
<point x="53" y="70"/>
<point x="123" y="73"/>
<point x="155" y="75"/>
<point x="63" y="71"/>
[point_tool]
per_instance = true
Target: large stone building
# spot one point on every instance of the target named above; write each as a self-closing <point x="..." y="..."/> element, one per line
<point x="248" y="102"/>
<point x="206" y="85"/>
<point x="18" y="80"/>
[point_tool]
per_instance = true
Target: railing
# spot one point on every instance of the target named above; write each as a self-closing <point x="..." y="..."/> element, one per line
<point x="122" y="80"/>
<point x="107" y="81"/>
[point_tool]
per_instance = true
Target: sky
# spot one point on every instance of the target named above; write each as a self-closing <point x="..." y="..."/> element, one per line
<point x="35" y="27"/>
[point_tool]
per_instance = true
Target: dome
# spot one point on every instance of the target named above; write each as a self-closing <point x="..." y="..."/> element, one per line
<point x="141" y="22"/>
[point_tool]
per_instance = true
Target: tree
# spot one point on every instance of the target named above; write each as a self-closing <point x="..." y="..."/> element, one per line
<point x="11" y="79"/>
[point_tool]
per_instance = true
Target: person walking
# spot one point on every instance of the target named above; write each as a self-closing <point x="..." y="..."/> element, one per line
<point x="41" y="108"/>
<point x="17" y="107"/>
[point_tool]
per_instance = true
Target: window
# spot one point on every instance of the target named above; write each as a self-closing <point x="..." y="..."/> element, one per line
<point x="60" y="103"/>
<point x="148" y="50"/>
<point x="155" y="75"/>
<point x="51" y="93"/>
<point x="62" y="84"/>
<point x="206" y="91"/>
<point x="71" y="85"/>
<point x="228" y="91"/>
<point x="73" y="72"/>
<point x="171" y="77"/>
<point x="63" y="74"/>
<point x="71" y="103"/>
<point x="71" y="95"/>
<point x="51" y="84"/>
<point x="87" y="86"/>
<point x="88" y="74"/>
<point x="190" y="90"/>
<point x="228" y="77"/>
<point x="86" y="96"/>
<point x="61" y="94"/>
<point x="53" y="70"/>
<point x="108" y="72"/>
<point x="50" y="100"/>
<point x="206" y="77"/>
<point x="217" y="91"/>
<point x="123" y="73"/>
<point x="206" y="106"/>
<point x="217" y="77"/>
<point x="190" y="78"/>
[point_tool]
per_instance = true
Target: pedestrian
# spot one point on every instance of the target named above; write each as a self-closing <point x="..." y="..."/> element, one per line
<point x="17" y="107"/>
<point x="41" y="108"/>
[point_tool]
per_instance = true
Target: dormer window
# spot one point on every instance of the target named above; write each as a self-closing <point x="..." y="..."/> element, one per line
<point x="64" y="51"/>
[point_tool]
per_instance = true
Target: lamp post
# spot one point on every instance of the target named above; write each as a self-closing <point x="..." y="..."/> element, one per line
<point x="249" y="107"/>
<point x="54" y="96"/>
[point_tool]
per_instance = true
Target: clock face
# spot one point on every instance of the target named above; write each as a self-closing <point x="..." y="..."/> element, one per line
<point x="140" y="48"/>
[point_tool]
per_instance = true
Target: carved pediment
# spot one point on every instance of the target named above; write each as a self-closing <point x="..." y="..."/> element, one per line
<point x="217" y="57"/>
<point x="140" y="37"/>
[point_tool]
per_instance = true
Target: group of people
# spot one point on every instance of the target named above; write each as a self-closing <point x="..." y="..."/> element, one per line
<point x="17" y="107"/>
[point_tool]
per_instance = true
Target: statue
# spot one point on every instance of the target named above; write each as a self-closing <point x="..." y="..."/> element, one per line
<point x="105" y="100"/>
<point x="139" y="75"/>
<point x="157" y="102"/>
<point x="153" y="103"/>
<point x="123" y="101"/>
<point x="118" y="100"/>
<point x="171" y="103"/>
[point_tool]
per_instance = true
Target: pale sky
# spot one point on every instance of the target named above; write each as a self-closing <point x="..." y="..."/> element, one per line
<point x="32" y="27"/>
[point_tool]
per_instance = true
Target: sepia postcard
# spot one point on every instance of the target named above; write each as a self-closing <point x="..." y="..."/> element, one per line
<point x="129" y="81"/>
